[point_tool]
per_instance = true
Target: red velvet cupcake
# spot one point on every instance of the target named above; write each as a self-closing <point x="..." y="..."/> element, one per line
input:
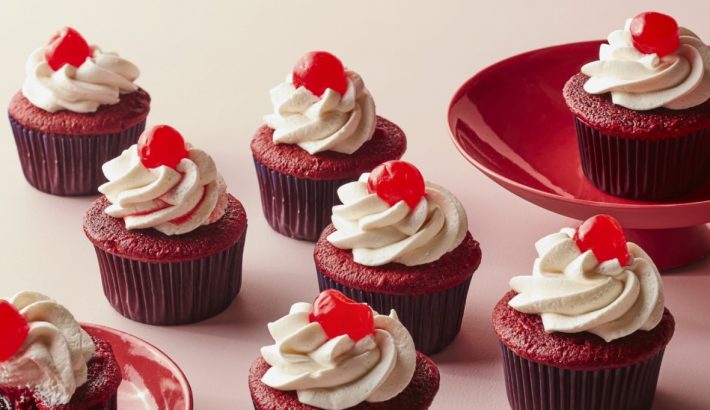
<point x="168" y="237"/>
<point x="323" y="133"/>
<point x="77" y="109"/>
<point x="642" y="112"/>
<point x="35" y="377"/>
<point x="588" y="329"/>
<point x="338" y="354"/>
<point x="400" y="243"/>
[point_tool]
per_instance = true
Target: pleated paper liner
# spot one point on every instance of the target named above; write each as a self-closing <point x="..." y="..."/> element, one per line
<point x="644" y="169"/>
<point x="535" y="386"/>
<point x="432" y="319"/>
<point x="297" y="207"/>
<point x="69" y="165"/>
<point x="172" y="293"/>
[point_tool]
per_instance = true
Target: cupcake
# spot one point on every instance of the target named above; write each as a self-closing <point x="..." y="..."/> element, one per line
<point x="78" y="108"/>
<point x="588" y="329"/>
<point x="642" y="111"/>
<point x="400" y="243"/>
<point x="338" y="354"/>
<point x="322" y="134"/>
<point x="168" y="236"/>
<point x="48" y="361"/>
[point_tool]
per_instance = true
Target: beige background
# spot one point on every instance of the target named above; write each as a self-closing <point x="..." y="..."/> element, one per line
<point x="209" y="67"/>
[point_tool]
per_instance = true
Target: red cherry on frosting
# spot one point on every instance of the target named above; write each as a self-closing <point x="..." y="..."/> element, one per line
<point x="340" y="315"/>
<point x="13" y="330"/>
<point x="67" y="46"/>
<point x="395" y="181"/>
<point x="605" y="237"/>
<point x="318" y="71"/>
<point x="161" y="145"/>
<point x="653" y="32"/>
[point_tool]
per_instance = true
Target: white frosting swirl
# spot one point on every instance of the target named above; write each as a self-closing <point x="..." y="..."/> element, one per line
<point x="99" y="80"/>
<point x="379" y="233"/>
<point x="333" y="122"/>
<point x="53" y="359"/>
<point x="172" y="201"/>
<point x="638" y="81"/>
<point x="573" y="292"/>
<point x="338" y="373"/>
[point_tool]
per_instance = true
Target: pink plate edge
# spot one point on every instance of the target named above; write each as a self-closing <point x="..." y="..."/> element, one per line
<point x="176" y="369"/>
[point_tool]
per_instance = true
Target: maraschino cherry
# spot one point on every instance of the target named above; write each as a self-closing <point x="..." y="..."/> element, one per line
<point x="395" y="181"/>
<point x="653" y="32"/>
<point x="318" y="71"/>
<point x="605" y="237"/>
<point x="161" y="145"/>
<point x="67" y="46"/>
<point x="340" y="315"/>
<point x="13" y="330"/>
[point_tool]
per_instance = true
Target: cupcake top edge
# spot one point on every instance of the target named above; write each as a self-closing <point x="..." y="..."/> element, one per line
<point x="69" y="74"/>
<point x="591" y="280"/>
<point x="43" y="348"/>
<point x="651" y="63"/>
<point x="164" y="183"/>
<point x="337" y="353"/>
<point x="321" y="106"/>
<point x="393" y="215"/>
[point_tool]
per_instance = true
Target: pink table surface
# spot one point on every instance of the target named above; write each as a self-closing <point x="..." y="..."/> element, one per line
<point x="209" y="69"/>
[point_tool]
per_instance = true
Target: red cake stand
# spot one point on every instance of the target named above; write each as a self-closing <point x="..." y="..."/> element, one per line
<point x="511" y="122"/>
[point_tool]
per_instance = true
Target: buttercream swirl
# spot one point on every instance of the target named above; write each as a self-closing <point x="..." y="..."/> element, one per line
<point x="573" y="292"/>
<point x="172" y="201"/>
<point x="101" y="79"/>
<point x="53" y="359"/>
<point x="333" y="122"/>
<point x="338" y="373"/>
<point x="639" y="81"/>
<point x="379" y="233"/>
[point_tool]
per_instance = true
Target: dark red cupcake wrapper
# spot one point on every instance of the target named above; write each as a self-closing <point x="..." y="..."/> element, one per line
<point x="112" y="403"/>
<point x="69" y="165"/>
<point x="296" y="207"/>
<point x="172" y="293"/>
<point x="644" y="169"/>
<point x="535" y="386"/>
<point x="433" y="319"/>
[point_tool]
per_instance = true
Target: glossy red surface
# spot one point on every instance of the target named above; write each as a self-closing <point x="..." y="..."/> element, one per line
<point x="67" y="47"/>
<point x="14" y="330"/>
<point x="161" y="145"/>
<point x="340" y="315"/>
<point x="318" y="71"/>
<point x="511" y="122"/>
<point x="605" y="237"/>
<point x="151" y="380"/>
<point x="395" y="181"/>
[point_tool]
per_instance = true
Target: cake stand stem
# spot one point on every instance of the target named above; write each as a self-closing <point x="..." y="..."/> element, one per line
<point x="672" y="248"/>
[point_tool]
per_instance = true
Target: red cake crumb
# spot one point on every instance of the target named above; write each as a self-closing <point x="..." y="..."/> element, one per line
<point x="387" y="143"/>
<point x="450" y="270"/>
<point x="111" y="235"/>
<point x="104" y="377"/>
<point x="418" y="395"/>
<point x="129" y="111"/>
<point x="524" y="334"/>
<point x="599" y="112"/>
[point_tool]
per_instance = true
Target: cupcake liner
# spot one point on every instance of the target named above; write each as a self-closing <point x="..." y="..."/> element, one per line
<point x="112" y="403"/>
<point x="172" y="293"/>
<point x="297" y="207"/>
<point x="433" y="319"/>
<point x="535" y="386"/>
<point x="644" y="169"/>
<point x="69" y="165"/>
